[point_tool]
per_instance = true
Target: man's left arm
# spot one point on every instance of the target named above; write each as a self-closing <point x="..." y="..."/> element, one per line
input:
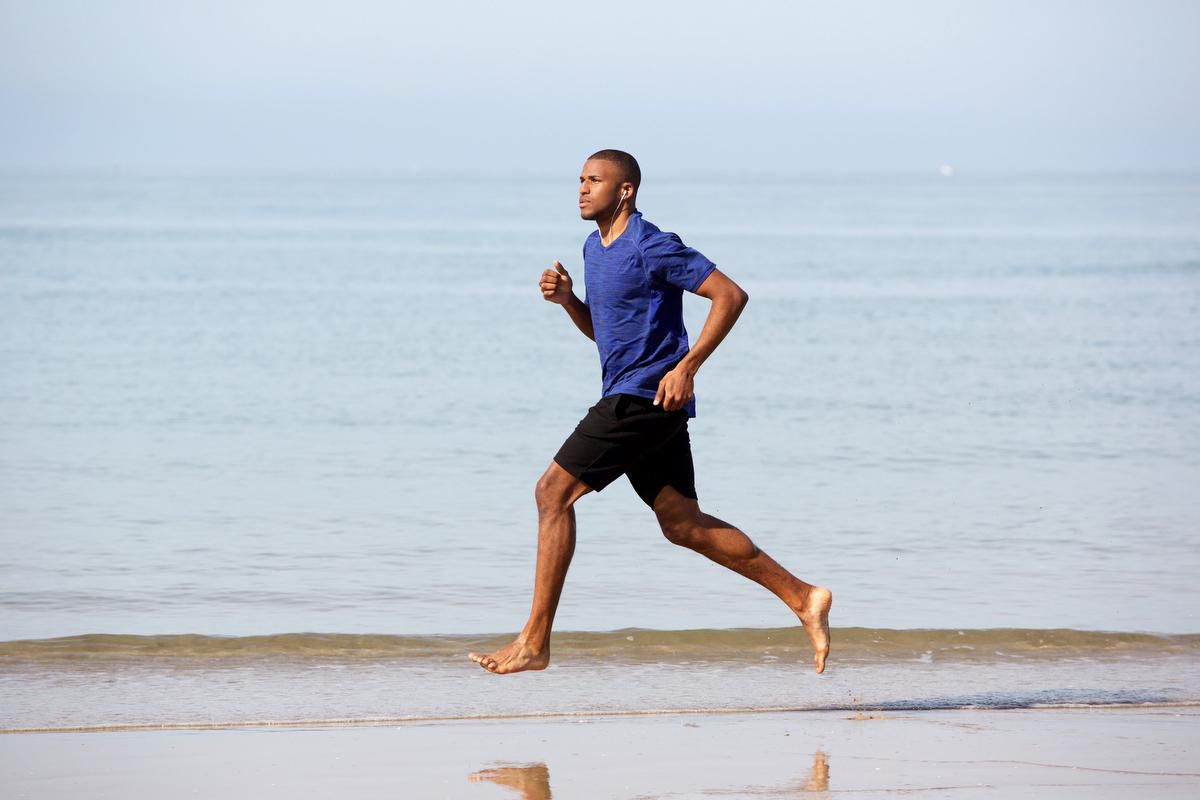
<point x="728" y="299"/>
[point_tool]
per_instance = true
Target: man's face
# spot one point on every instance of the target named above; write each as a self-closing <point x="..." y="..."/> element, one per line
<point x="599" y="189"/>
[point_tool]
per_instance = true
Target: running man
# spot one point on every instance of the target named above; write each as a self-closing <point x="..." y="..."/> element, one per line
<point x="633" y="309"/>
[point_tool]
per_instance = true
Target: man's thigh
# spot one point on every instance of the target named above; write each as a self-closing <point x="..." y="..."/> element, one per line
<point x="668" y="465"/>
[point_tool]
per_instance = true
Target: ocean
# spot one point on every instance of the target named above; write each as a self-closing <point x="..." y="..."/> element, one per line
<point x="268" y="446"/>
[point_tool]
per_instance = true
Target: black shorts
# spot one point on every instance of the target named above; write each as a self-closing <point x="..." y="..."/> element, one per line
<point x="628" y="435"/>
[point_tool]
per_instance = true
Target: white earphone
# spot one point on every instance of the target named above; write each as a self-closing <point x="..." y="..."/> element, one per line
<point x="617" y="210"/>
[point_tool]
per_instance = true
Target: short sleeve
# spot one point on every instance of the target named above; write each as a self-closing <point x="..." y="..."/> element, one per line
<point x="669" y="260"/>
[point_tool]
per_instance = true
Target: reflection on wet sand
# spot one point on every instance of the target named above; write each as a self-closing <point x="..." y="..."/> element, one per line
<point x="817" y="781"/>
<point x="531" y="780"/>
<point x="818" y="777"/>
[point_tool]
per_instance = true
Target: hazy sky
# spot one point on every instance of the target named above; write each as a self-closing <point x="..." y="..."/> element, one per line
<point x="731" y="85"/>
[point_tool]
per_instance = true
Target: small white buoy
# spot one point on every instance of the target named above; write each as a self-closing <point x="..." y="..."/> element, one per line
<point x="946" y="170"/>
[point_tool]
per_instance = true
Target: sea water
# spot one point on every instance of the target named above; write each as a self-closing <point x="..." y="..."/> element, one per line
<point x="252" y="405"/>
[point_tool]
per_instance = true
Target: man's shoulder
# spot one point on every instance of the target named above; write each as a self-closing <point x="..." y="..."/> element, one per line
<point x="644" y="226"/>
<point x="591" y="247"/>
<point x="653" y="242"/>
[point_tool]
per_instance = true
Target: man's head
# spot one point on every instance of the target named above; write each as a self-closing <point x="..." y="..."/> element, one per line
<point x="606" y="176"/>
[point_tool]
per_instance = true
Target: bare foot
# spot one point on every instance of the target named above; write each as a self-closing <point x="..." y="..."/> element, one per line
<point x="532" y="780"/>
<point x="514" y="657"/>
<point x="814" y="615"/>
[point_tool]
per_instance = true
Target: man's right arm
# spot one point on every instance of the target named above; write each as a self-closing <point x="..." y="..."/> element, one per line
<point x="556" y="286"/>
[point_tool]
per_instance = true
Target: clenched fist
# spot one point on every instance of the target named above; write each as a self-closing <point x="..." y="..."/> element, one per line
<point x="556" y="285"/>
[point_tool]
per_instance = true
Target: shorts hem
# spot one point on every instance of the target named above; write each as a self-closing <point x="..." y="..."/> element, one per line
<point x="579" y="476"/>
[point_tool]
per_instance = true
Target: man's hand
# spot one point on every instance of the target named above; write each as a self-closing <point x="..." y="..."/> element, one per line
<point x="674" y="389"/>
<point x="556" y="285"/>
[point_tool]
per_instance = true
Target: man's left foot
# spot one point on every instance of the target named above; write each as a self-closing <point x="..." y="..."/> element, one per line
<point x="514" y="657"/>
<point x="814" y="615"/>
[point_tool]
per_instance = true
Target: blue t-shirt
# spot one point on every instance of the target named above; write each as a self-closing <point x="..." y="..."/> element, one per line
<point x="634" y="289"/>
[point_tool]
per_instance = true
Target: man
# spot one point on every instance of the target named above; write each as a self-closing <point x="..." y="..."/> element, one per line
<point x="635" y="278"/>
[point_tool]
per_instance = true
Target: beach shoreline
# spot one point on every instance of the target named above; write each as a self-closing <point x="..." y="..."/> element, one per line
<point x="1096" y="752"/>
<point x="855" y="712"/>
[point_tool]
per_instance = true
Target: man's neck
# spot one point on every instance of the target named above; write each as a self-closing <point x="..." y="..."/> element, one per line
<point x="614" y="227"/>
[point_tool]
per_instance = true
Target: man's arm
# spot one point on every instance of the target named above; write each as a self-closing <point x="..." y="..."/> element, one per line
<point x="556" y="288"/>
<point x="728" y="299"/>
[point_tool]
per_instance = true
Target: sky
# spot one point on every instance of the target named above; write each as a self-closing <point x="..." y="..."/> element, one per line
<point x="474" y="86"/>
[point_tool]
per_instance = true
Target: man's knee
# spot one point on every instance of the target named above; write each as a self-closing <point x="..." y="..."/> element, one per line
<point x="678" y="531"/>
<point x="556" y="490"/>
<point x="678" y="517"/>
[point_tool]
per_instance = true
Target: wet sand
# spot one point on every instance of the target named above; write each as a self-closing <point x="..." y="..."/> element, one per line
<point x="1092" y="753"/>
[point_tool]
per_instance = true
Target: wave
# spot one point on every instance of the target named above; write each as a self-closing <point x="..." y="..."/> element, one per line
<point x="627" y="645"/>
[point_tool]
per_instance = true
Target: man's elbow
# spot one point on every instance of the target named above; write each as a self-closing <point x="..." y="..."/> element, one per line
<point x="740" y="298"/>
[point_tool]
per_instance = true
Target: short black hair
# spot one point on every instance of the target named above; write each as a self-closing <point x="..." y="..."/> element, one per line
<point x="630" y="171"/>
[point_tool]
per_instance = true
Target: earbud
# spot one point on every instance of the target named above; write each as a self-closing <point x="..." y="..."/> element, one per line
<point x="617" y="210"/>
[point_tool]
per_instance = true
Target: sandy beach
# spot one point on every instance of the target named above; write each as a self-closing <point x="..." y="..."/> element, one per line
<point x="1086" y="752"/>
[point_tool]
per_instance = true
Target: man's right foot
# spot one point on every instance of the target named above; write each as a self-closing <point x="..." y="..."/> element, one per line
<point x="814" y="615"/>
<point x="515" y="657"/>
